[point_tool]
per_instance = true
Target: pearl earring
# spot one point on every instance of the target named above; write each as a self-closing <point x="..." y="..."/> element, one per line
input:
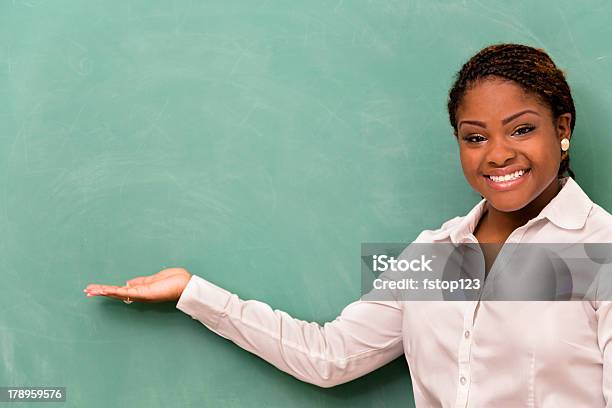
<point x="565" y="144"/>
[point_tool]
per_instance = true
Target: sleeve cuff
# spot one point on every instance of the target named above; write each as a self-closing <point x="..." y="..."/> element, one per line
<point x="203" y="301"/>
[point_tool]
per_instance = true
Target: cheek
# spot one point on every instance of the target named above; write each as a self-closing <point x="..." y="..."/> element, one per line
<point x="548" y="158"/>
<point x="469" y="162"/>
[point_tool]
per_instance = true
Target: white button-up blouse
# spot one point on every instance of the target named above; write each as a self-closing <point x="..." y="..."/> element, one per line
<point x="460" y="353"/>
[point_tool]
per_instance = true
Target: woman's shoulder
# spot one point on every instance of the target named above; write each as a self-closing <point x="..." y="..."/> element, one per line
<point x="599" y="222"/>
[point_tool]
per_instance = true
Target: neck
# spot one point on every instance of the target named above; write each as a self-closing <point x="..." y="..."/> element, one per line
<point x="511" y="220"/>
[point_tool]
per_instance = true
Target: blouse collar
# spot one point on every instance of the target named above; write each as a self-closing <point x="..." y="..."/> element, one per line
<point x="569" y="210"/>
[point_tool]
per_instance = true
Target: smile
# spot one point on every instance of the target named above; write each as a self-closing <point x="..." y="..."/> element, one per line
<point x="507" y="181"/>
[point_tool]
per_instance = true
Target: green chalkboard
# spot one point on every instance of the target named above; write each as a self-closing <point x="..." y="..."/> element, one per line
<point x="257" y="144"/>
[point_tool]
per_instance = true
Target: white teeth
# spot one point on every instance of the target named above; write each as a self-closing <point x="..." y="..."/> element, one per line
<point x="507" y="177"/>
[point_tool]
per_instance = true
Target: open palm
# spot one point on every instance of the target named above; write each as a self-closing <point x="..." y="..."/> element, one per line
<point x="164" y="286"/>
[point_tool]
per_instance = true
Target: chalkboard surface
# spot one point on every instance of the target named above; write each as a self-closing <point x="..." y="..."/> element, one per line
<point x="257" y="144"/>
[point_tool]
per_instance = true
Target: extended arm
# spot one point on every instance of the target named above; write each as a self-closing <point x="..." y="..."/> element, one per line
<point x="365" y="336"/>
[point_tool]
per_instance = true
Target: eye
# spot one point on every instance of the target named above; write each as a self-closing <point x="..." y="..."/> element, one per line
<point x="475" y="138"/>
<point x="524" y="130"/>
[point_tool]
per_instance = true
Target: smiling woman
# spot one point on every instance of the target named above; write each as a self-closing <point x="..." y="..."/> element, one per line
<point x="511" y="110"/>
<point x="512" y="114"/>
<point x="513" y="162"/>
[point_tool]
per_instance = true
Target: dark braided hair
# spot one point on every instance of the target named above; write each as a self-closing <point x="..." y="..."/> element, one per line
<point x="529" y="67"/>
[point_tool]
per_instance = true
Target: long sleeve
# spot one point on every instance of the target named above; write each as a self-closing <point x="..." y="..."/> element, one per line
<point x="366" y="335"/>
<point x="604" y="337"/>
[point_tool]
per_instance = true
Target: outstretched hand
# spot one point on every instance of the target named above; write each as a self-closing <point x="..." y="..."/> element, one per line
<point x="164" y="286"/>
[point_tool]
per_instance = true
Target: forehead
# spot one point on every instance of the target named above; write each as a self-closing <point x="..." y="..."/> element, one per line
<point x="496" y="97"/>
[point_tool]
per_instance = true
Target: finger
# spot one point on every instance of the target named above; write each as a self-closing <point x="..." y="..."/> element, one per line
<point x="143" y="280"/>
<point x="125" y="292"/>
<point x="115" y="297"/>
<point x="164" y="273"/>
<point x="139" y="280"/>
<point x="102" y="290"/>
<point x="94" y="287"/>
<point x="109" y="295"/>
<point x="97" y="288"/>
<point x="147" y="279"/>
<point x="113" y="292"/>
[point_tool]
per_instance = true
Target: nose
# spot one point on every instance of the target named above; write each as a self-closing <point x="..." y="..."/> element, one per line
<point x="499" y="152"/>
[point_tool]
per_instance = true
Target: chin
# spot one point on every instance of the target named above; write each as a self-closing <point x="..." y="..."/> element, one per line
<point x="506" y="204"/>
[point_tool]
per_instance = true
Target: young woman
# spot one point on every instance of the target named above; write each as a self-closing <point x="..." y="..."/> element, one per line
<point x="513" y="116"/>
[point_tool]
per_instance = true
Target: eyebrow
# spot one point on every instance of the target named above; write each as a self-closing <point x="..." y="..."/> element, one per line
<point x="504" y="121"/>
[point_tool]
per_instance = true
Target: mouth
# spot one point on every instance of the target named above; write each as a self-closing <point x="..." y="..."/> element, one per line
<point x="508" y="181"/>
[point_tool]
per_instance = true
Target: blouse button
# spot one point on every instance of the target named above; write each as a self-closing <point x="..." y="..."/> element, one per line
<point x="466" y="334"/>
<point x="462" y="380"/>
